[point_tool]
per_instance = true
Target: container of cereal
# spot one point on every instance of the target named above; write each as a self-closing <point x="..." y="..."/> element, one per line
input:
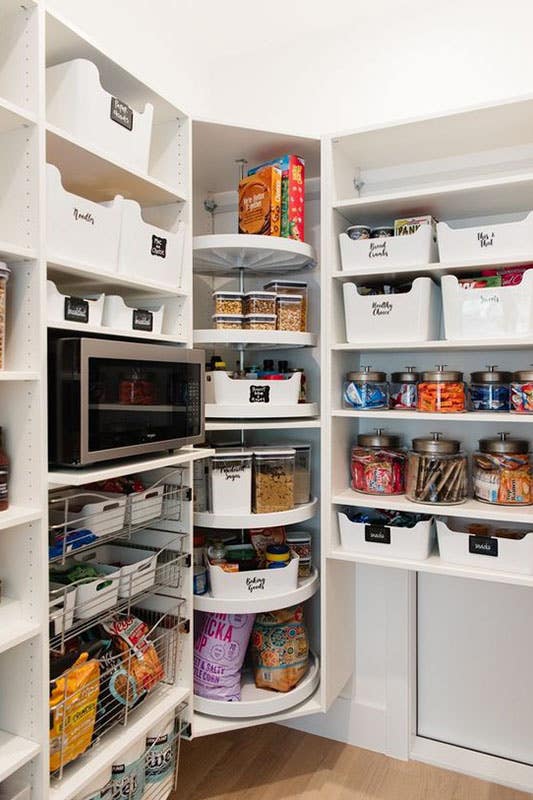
<point x="292" y="287"/>
<point x="379" y="464"/>
<point x="227" y="321"/>
<point x="260" y="303"/>
<point x="489" y="389"/>
<point x="366" y="389"/>
<point x="501" y="471"/>
<point x="231" y="481"/>
<point x="289" y="309"/>
<point x="273" y="485"/>
<point x="441" y="391"/>
<point x="260" y="322"/>
<point x="228" y="302"/>
<point x="436" y="471"/>
<point x="403" y="389"/>
<point x="5" y="272"/>
<point x="522" y="392"/>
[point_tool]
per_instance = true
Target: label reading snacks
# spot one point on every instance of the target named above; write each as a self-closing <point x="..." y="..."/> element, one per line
<point x="121" y="113"/>
<point x="76" y="309"/>
<point x="142" y="320"/>
<point x="483" y="545"/>
<point x="377" y="533"/>
<point x="259" y="394"/>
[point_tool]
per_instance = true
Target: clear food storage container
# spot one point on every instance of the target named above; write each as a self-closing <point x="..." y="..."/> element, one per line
<point x="260" y="303"/>
<point x="302" y="472"/>
<point x="442" y="391"/>
<point x="273" y="480"/>
<point x="231" y="481"/>
<point x="501" y="471"/>
<point x="301" y="543"/>
<point x="5" y="272"/>
<point x="227" y="321"/>
<point x="292" y="287"/>
<point x="522" y="392"/>
<point x="260" y="322"/>
<point x="365" y="389"/>
<point x="378" y="464"/>
<point x="228" y="302"/>
<point x="289" y="312"/>
<point x="437" y="471"/>
<point x="403" y="389"/>
<point x="489" y="389"/>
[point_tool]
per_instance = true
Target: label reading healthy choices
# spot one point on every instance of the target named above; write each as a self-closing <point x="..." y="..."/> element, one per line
<point x="121" y="113"/>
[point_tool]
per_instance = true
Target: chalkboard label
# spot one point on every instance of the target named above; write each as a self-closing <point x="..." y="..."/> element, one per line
<point x="142" y="320"/>
<point x="377" y="533"/>
<point x="260" y="394"/>
<point x="159" y="246"/>
<point x="121" y="113"/>
<point x="483" y="545"/>
<point x="76" y="309"/>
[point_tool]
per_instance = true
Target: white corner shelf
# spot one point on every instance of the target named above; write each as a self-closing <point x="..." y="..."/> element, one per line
<point x="256" y="702"/>
<point x="262" y="425"/>
<point x="13" y="116"/>
<point x="103" y="331"/>
<point x="471" y="509"/>
<point x="14" y="628"/>
<point x="204" y="519"/>
<point x="218" y="254"/>
<point x="99" y="176"/>
<point x="260" y="411"/>
<point x="80" y="773"/>
<point x="18" y="515"/>
<point x="467" y="417"/>
<point x="254" y="340"/>
<point x="440" y="345"/>
<point x="307" y="587"/>
<point x="15" y="751"/>
<point x="435" y="270"/>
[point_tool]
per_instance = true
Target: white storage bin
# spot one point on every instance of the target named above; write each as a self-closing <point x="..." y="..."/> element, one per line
<point x="501" y="241"/>
<point x="411" y="317"/>
<point x="147" y="252"/>
<point x="78" y="229"/>
<point x="121" y="316"/>
<point x="62" y="603"/>
<point x="67" y="308"/>
<point x="77" y="103"/>
<point x="137" y="567"/>
<point x="389" y="252"/>
<point x="253" y="583"/>
<point x="388" y="541"/>
<point x="487" y="313"/>
<point x="96" y="596"/>
<point x="100" y="513"/>
<point x="457" y="546"/>
<point x="224" y="390"/>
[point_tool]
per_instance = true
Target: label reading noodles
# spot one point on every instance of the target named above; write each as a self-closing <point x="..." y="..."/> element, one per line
<point x="121" y="113"/>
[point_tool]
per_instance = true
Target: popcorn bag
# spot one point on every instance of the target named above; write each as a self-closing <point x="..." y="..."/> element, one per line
<point x="219" y="652"/>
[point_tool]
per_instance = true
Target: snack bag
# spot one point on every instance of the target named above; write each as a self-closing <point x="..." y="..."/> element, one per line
<point x="73" y="704"/>
<point x="262" y="537"/>
<point x="280" y="649"/>
<point x="219" y="652"/>
<point x="140" y="656"/>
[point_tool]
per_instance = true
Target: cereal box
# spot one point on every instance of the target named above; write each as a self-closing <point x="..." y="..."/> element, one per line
<point x="292" y="194"/>
<point x="260" y="202"/>
<point x="408" y="225"/>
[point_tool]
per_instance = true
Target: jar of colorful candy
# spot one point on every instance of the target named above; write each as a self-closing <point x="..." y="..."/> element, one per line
<point x="403" y="389"/>
<point x="378" y="464"/>
<point x="501" y="471"/>
<point x="366" y="389"/>
<point x="522" y="392"/>
<point x="441" y="391"/>
<point x="489" y="390"/>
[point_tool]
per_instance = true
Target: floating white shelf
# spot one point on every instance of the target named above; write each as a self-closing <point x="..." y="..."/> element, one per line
<point x="15" y="751"/>
<point x="467" y="417"/>
<point x="100" y="177"/>
<point x="442" y="345"/>
<point x="14" y="628"/>
<point x="203" y="519"/>
<point x="471" y="509"/>
<point x="77" y="775"/>
<point x="13" y="116"/>
<point x="9" y="251"/>
<point x="259" y="702"/>
<point x="218" y="254"/>
<point x="255" y="340"/>
<point x="435" y="270"/>
<point x="253" y="605"/>
<point x="261" y="425"/>
<point x="260" y="411"/>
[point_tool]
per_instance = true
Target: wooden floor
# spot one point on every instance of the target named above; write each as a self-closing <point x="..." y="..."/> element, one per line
<point x="276" y="763"/>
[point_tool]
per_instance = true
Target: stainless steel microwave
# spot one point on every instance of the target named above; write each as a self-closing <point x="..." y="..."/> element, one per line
<point x="114" y="399"/>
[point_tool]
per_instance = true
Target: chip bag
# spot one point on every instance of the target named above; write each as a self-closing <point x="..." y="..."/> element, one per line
<point x="280" y="649"/>
<point x="140" y="659"/>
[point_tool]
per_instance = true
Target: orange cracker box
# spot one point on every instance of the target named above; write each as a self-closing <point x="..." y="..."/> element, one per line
<point x="292" y="194"/>
<point x="260" y="202"/>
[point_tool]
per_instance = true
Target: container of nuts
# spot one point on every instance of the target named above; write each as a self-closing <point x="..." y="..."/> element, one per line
<point x="273" y="481"/>
<point x="228" y="302"/>
<point x="260" y="303"/>
<point x="227" y="322"/>
<point x="260" y="322"/>
<point x="289" y="312"/>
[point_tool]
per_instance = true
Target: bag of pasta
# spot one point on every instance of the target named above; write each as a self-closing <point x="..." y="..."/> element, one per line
<point x="280" y="649"/>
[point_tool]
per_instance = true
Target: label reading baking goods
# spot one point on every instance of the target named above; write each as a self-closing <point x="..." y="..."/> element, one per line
<point x="255" y="584"/>
<point x="142" y="320"/>
<point x="159" y="246"/>
<point x="377" y="533"/>
<point x="259" y="394"/>
<point x="483" y="545"/>
<point x="76" y="309"/>
<point x="121" y="113"/>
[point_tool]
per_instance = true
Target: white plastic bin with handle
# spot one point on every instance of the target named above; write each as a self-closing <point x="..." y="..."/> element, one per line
<point x="494" y="241"/>
<point x="67" y="308"/>
<point x="389" y="252"/>
<point x="122" y="316"/>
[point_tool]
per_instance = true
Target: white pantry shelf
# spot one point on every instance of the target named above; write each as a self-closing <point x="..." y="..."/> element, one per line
<point x="471" y="509"/>
<point x="14" y="627"/>
<point x="94" y="280"/>
<point x="254" y="605"/>
<point x="204" y="519"/>
<point x="18" y="375"/>
<point x="254" y="340"/>
<point x="440" y="345"/>
<point x="15" y="751"/>
<point x="259" y="411"/>
<point x="218" y="254"/>
<point x="13" y="116"/>
<point x="261" y="425"/>
<point x="468" y="417"/>
<point x="10" y="252"/>
<point x="102" y="331"/>
<point x="18" y="515"/>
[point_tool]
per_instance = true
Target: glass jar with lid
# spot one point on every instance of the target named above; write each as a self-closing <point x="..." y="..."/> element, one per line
<point x="441" y="391"/>
<point x="273" y="485"/>
<point x="366" y="389"/>
<point x="501" y="471"/>
<point x="437" y="471"/>
<point x="378" y="464"/>
<point x="522" y="391"/>
<point x="403" y="389"/>
<point x="489" y="389"/>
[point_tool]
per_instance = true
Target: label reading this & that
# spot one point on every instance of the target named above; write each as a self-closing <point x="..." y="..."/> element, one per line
<point x="121" y="113"/>
<point x="483" y="545"/>
<point x="377" y="533"/>
<point x="76" y="309"/>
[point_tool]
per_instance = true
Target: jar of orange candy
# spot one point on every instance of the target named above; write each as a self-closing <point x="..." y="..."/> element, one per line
<point x="442" y="391"/>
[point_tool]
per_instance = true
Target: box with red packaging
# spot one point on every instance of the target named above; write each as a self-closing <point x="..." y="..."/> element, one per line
<point x="292" y="194"/>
